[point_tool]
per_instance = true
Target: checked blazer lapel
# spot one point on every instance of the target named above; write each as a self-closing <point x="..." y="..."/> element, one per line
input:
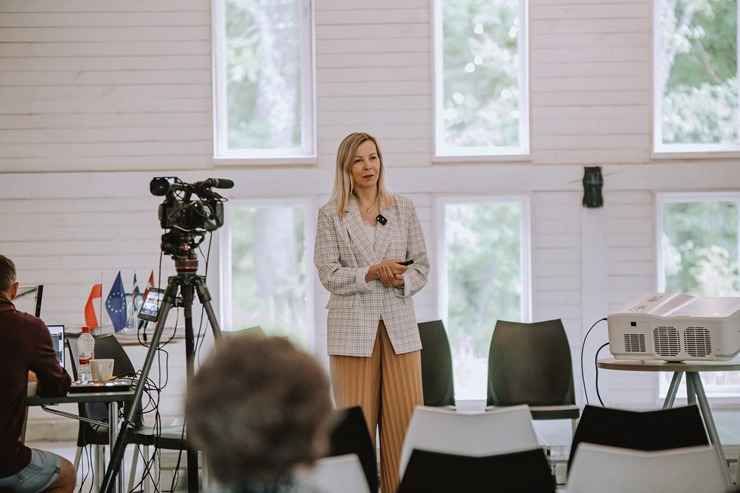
<point x="385" y="233"/>
<point x="356" y="231"/>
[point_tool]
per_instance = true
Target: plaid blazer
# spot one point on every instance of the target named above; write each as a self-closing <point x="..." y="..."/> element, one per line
<point x="342" y="248"/>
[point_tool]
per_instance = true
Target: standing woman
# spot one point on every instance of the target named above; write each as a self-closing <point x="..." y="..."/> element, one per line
<point x="364" y="236"/>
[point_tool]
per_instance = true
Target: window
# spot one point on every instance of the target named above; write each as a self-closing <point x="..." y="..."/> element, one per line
<point x="263" y="79"/>
<point x="699" y="254"/>
<point x="696" y="91"/>
<point x="485" y="254"/>
<point x="481" y="78"/>
<point x="265" y="281"/>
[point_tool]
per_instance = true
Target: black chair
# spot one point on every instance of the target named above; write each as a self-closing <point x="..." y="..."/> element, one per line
<point x="530" y="363"/>
<point x="27" y="292"/>
<point x="660" y="429"/>
<point x="350" y="435"/>
<point x="436" y="365"/>
<point x="143" y="436"/>
<point x="516" y="472"/>
<point x="247" y="331"/>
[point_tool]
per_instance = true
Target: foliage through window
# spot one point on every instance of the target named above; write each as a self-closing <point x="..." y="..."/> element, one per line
<point x="696" y="91"/>
<point x="264" y="78"/>
<point x="487" y="278"/>
<point x="482" y="95"/>
<point x="699" y="254"/>
<point x="267" y="258"/>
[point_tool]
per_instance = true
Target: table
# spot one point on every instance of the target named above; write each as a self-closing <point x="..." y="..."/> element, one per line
<point x="112" y="398"/>
<point x="694" y="388"/>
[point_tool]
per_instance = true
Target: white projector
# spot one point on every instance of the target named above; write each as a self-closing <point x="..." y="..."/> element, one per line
<point x="676" y="327"/>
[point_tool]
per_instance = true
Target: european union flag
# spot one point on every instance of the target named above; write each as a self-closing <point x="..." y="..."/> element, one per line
<point x="115" y="304"/>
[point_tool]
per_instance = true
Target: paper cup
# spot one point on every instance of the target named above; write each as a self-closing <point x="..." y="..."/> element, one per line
<point x="101" y="369"/>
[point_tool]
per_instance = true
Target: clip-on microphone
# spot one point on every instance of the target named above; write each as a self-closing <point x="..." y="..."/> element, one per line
<point x="381" y="219"/>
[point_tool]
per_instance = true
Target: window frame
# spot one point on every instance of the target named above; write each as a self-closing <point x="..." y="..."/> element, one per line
<point x="444" y="152"/>
<point x="661" y="199"/>
<point x="309" y="231"/>
<point x="667" y="151"/>
<point x="525" y="252"/>
<point x="307" y="153"/>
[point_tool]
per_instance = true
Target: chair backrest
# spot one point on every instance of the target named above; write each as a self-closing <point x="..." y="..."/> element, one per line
<point x="247" y="331"/>
<point x="436" y="365"/>
<point x="107" y="346"/>
<point x="615" y="470"/>
<point x="28" y="299"/>
<point x="530" y="363"/>
<point x="340" y="474"/>
<point x="527" y="471"/>
<point x="494" y="432"/>
<point x="641" y="430"/>
<point x="350" y="435"/>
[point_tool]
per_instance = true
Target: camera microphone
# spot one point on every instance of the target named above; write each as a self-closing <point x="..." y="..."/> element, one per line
<point x="215" y="183"/>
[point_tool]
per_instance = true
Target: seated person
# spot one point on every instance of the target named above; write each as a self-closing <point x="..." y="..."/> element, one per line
<point x="26" y="352"/>
<point x="259" y="410"/>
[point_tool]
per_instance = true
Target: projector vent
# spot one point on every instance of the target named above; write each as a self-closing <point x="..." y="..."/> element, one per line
<point x="634" y="343"/>
<point x="666" y="341"/>
<point x="698" y="341"/>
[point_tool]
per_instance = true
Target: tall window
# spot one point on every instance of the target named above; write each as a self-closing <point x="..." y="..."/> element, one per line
<point x="263" y="79"/>
<point x="485" y="252"/>
<point x="481" y="77"/>
<point x="699" y="254"/>
<point x="266" y="278"/>
<point x="696" y="91"/>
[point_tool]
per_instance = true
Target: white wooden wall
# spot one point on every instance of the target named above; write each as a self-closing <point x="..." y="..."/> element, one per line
<point x="96" y="98"/>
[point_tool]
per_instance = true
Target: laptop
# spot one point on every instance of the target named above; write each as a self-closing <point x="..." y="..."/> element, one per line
<point x="57" y="340"/>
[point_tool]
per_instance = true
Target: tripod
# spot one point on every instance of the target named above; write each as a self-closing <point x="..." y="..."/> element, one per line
<point x="186" y="282"/>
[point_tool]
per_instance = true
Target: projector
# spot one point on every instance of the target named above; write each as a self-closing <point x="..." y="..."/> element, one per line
<point x="676" y="327"/>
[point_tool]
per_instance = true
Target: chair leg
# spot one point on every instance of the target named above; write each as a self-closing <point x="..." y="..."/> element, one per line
<point x="132" y="473"/>
<point x="148" y="467"/>
<point x="99" y="466"/>
<point x="78" y="456"/>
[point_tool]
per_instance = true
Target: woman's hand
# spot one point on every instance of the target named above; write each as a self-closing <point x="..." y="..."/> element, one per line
<point x="389" y="273"/>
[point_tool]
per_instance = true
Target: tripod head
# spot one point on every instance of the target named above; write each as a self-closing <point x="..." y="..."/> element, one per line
<point x="189" y="211"/>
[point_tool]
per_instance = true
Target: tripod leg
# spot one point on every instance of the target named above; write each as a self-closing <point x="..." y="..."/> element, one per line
<point x="116" y="455"/>
<point x="199" y="284"/>
<point x="205" y="299"/>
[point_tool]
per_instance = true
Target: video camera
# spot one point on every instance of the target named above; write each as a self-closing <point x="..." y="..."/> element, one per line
<point x="188" y="218"/>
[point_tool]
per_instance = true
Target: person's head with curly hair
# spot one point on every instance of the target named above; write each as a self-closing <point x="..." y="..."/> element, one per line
<point x="258" y="408"/>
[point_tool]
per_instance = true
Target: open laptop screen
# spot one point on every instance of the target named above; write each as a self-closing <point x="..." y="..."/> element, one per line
<point x="57" y="340"/>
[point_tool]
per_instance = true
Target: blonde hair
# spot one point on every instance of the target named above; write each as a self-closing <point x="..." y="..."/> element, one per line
<point x="343" y="182"/>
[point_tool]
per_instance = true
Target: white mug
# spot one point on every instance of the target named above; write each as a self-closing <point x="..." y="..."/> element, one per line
<point x="101" y="369"/>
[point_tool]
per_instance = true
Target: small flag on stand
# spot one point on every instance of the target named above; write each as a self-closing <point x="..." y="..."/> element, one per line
<point x="135" y="294"/>
<point x="91" y="320"/>
<point x="115" y="304"/>
<point x="149" y="284"/>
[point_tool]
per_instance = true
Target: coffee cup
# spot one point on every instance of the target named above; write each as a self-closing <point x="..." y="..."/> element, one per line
<point x="101" y="369"/>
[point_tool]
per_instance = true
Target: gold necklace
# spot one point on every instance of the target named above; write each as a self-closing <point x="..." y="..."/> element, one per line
<point x="370" y="206"/>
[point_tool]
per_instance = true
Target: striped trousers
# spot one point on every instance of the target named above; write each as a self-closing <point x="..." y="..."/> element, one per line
<point x="388" y="387"/>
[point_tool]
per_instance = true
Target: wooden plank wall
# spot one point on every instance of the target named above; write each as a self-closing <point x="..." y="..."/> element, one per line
<point x="96" y="98"/>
